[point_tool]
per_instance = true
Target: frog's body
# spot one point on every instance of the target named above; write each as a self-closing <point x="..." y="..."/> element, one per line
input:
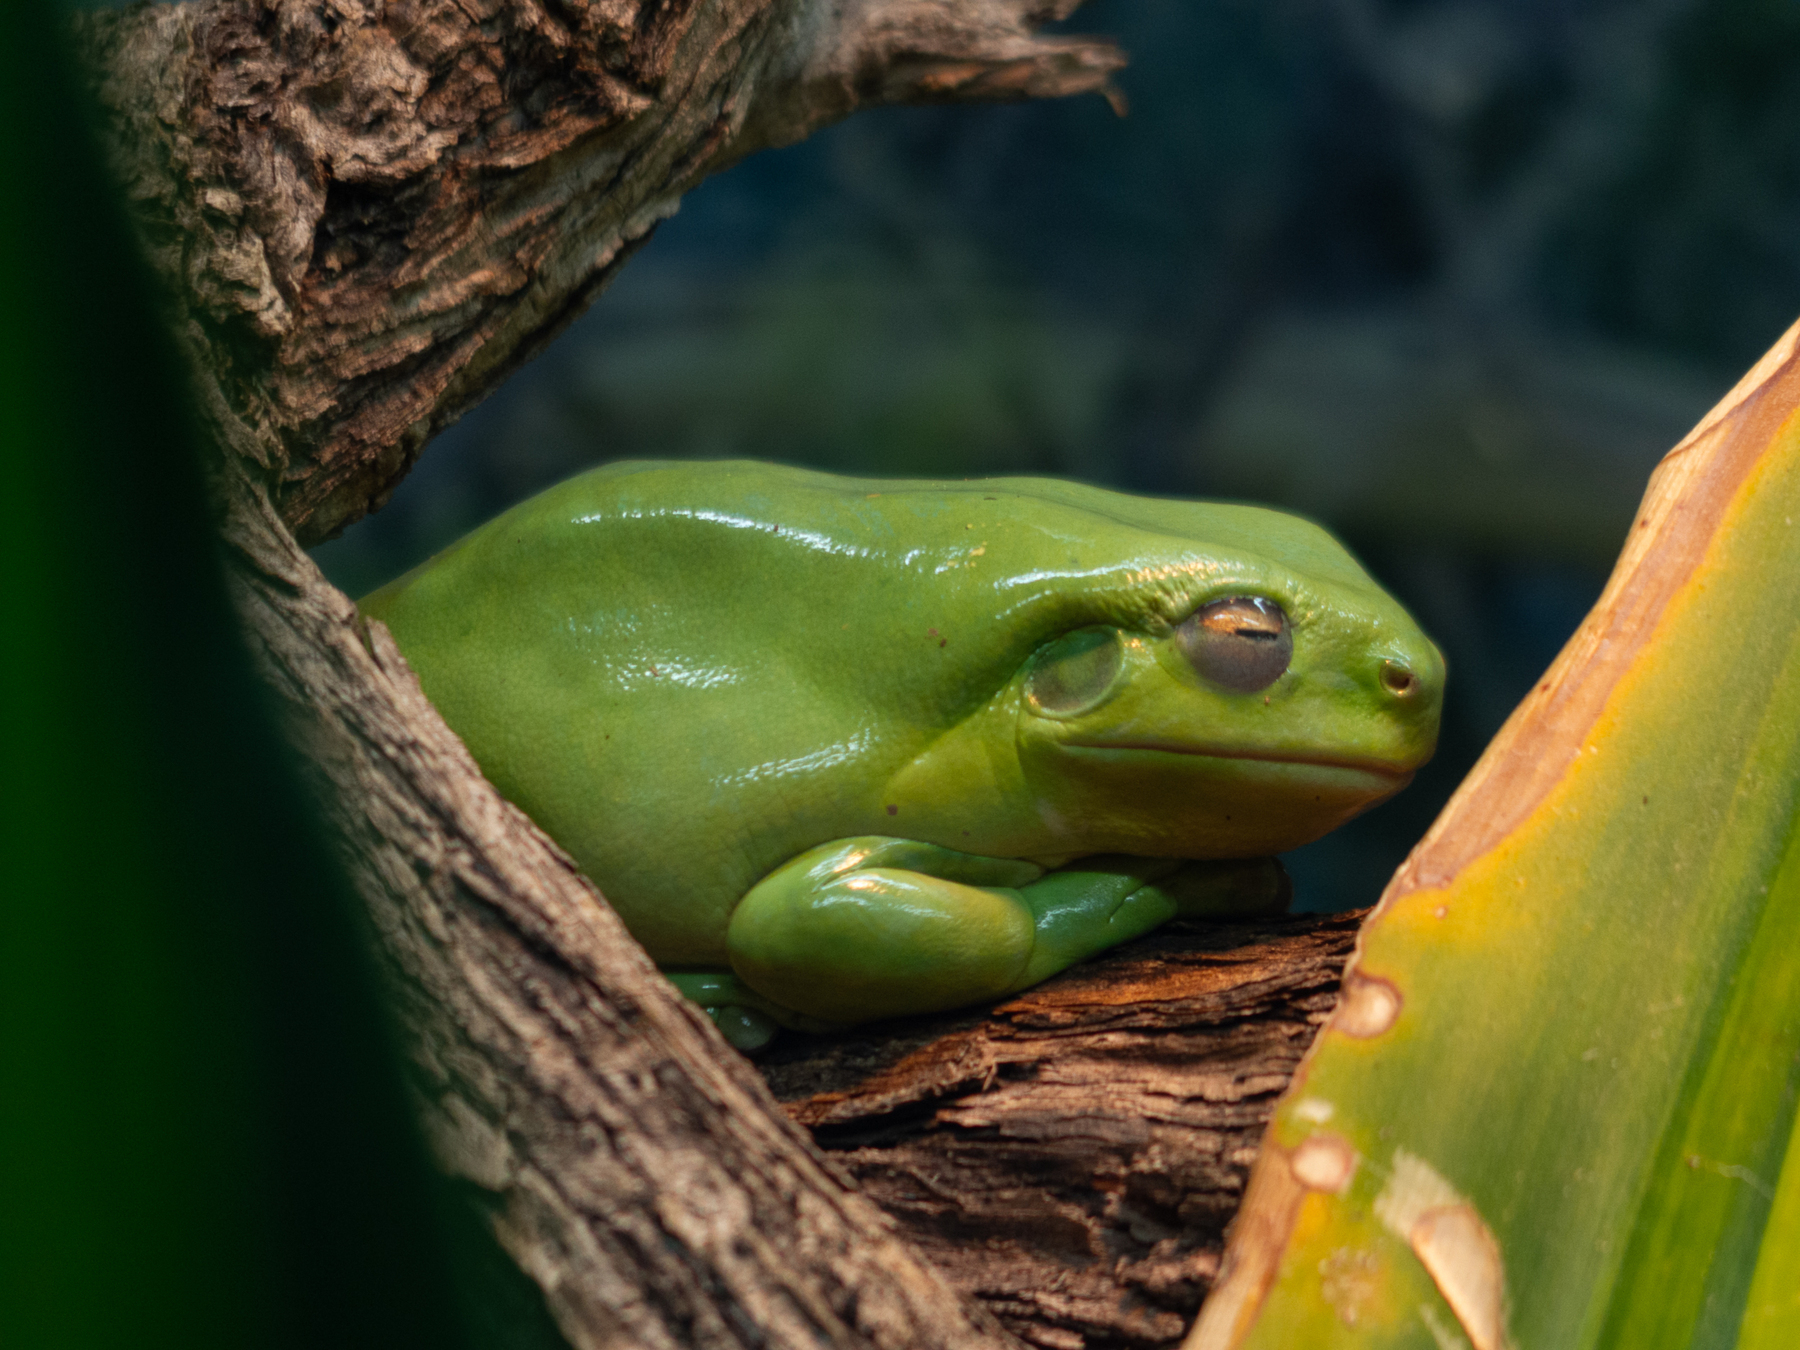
<point x="692" y="674"/>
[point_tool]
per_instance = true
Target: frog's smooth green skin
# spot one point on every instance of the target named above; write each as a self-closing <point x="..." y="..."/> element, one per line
<point x="844" y="739"/>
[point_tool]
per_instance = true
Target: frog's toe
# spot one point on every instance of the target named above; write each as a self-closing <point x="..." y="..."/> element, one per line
<point x="746" y="1028"/>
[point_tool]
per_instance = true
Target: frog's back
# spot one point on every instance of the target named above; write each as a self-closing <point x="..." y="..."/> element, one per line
<point x="690" y="672"/>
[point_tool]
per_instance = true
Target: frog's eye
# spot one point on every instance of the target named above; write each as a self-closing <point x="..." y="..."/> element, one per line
<point x="1075" y="672"/>
<point x="1243" y="643"/>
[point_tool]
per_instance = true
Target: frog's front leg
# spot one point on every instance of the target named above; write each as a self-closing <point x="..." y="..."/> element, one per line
<point x="873" y="927"/>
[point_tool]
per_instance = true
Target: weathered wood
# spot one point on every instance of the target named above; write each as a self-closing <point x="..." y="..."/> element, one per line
<point x="365" y="213"/>
<point x="1071" y="1157"/>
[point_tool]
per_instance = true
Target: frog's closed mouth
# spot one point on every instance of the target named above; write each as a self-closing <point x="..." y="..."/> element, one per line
<point x="1392" y="777"/>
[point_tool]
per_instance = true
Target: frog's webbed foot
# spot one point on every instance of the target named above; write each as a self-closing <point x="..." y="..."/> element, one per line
<point x="748" y="1029"/>
<point x="873" y="927"/>
<point x="744" y="1017"/>
<point x="1096" y="903"/>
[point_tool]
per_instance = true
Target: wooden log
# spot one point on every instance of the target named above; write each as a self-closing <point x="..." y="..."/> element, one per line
<point x="1072" y="1156"/>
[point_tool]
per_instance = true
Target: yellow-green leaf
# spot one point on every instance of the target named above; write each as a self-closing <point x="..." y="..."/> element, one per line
<point x="1556" y="1106"/>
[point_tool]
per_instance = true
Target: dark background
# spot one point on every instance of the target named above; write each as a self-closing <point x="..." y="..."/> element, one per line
<point x="1447" y="275"/>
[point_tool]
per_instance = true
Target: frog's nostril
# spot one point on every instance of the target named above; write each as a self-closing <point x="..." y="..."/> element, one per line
<point x="1398" y="680"/>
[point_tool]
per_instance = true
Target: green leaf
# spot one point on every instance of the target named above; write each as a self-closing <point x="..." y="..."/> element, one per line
<point x="1556" y="1107"/>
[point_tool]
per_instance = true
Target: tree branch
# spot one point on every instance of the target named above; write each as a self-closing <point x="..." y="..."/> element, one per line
<point x="1071" y="1157"/>
<point x="376" y="211"/>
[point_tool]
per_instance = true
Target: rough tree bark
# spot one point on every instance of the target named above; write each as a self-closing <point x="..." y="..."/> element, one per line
<point x="367" y="213"/>
<point x="1071" y="1158"/>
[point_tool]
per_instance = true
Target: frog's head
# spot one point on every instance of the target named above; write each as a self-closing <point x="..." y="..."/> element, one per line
<point x="1249" y="709"/>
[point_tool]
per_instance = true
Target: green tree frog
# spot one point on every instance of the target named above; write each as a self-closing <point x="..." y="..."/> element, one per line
<point x="841" y="749"/>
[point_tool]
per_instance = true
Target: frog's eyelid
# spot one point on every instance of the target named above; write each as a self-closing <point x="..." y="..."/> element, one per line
<point x="1156" y="616"/>
<point x="1164" y="620"/>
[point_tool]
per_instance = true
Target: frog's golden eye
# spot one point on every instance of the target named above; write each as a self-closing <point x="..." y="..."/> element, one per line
<point x="1243" y="643"/>
<point x="1075" y="672"/>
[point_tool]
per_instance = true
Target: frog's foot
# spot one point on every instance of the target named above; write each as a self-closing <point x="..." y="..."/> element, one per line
<point x="1097" y="903"/>
<point x="748" y="1029"/>
<point x="873" y="927"/>
<point x="744" y="1017"/>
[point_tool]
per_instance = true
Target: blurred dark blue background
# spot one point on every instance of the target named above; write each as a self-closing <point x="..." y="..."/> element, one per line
<point x="1447" y="275"/>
